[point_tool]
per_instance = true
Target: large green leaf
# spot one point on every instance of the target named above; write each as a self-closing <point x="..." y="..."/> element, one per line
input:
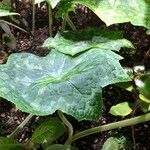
<point x="119" y="11"/>
<point x="4" y="13"/>
<point x="48" y="131"/>
<point x="41" y="86"/>
<point x="75" y="42"/>
<point x="9" y="144"/>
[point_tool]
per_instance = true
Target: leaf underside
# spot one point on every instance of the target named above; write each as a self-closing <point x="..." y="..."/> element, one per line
<point x="42" y="85"/>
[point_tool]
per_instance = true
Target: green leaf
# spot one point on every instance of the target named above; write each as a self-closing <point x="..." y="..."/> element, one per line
<point x="41" y="86"/>
<point x="76" y="42"/>
<point x="48" y="131"/>
<point x="38" y="1"/>
<point x="9" y="40"/>
<point x="53" y="3"/>
<point x="117" y="143"/>
<point x="9" y="144"/>
<point x="111" y="144"/>
<point x="144" y="106"/>
<point x="143" y="84"/>
<point x="144" y="99"/>
<point x="4" y="13"/>
<point x="120" y="11"/>
<point x="121" y="109"/>
<point x="60" y="147"/>
<point x="65" y="6"/>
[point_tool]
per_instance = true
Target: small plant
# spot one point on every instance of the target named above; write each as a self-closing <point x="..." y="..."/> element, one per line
<point x="7" y="37"/>
<point x="70" y="79"/>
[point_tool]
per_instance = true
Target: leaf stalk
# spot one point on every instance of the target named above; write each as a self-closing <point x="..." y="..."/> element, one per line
<point x="50" y="16"/>
<point x="111" y="126"/>
<point x="69" y="125"/>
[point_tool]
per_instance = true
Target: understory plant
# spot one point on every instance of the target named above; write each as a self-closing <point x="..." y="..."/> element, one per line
<point x="6" y="35"/>
<point x="70" y="79"/>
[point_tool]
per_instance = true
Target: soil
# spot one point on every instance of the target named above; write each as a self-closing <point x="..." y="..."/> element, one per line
<point x="11" y="117"/>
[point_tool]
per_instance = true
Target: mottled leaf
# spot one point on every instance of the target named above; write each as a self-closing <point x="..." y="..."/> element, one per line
<point x="75" y="42"/>
<point x="41" y="86"/>
<point x="48" y="131"/>
<point x="9" y="144"/>
<point x="121" y="109"/>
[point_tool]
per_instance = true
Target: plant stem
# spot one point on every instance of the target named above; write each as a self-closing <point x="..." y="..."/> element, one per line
<point x="68" y="124"/>
<point x="110" y="126"/>
<point x="50" y="20"/>
<point x="63" y="25"/>
<point x="11" y="24"/>
<point x="20" y="126"/>
<point x="33" y="16"/>
<point x="69" y="21"/>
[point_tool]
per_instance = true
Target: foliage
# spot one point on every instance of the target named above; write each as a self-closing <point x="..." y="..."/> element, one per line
<point x="9" y="144"/>
<point x="72" y="84"/>
<point x="71" y="77"/>
<point x="121" y="109"/>
<point x="48" y="131"/>
<point x="116" y="143"/>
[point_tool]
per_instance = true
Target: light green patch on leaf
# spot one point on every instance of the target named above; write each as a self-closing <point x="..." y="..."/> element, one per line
<point x="76" y="42"/>
<point x="48" y="131"/>
<point x="121" y="109"/>
<point x="4" y="13"/>
<point x="10" y="144"/>
<point x="61" y="147"/>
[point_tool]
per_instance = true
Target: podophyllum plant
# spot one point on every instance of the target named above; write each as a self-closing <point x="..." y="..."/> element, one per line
<point x="71" y="77"/>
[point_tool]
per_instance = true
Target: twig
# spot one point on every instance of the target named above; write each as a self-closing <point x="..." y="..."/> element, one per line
<point x="20" y="126"/>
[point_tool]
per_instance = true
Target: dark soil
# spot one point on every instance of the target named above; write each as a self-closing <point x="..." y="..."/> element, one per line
<point x="11" y="117"/>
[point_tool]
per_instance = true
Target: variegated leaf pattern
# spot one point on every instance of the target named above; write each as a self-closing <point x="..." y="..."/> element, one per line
<point x="42" y="85"/>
